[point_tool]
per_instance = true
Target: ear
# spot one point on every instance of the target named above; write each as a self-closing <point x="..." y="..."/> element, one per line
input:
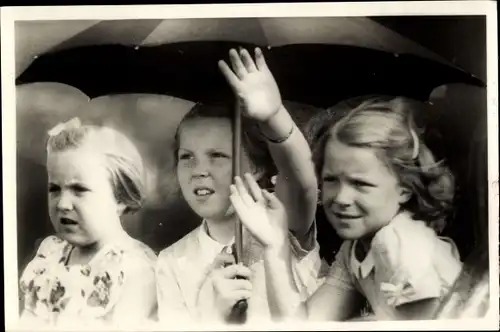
<point x="404" y="195"/>
<point x="121" y="209"/>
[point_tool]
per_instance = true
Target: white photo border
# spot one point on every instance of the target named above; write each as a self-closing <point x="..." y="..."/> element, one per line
<point x="9" y="15"/>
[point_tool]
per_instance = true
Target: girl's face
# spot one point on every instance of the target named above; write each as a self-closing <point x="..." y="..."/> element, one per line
<point x="82" y="206"/>
<point x="359" y="193"/>
<point x="204" y="167"/>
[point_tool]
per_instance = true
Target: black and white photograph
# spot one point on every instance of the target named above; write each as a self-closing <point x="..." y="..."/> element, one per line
<point x="260" y="166"/>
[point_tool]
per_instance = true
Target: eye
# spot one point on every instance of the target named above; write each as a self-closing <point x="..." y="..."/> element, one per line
<point x="53" y="188"/>
<point x="184" y="156"/>
<point x="330" y="179"/>
<point x="219" y="155"/>
<point x="79" y="188"/>
<point x="362" y="184"/>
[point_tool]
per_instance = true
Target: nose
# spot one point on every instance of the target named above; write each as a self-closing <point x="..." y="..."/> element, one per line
<point x="344" y="196"/>
<point x="201" y="169"/>
<point x="65" y="203"/>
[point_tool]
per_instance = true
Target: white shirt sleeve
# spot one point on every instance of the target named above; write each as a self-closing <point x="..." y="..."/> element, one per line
<point x="411" y="257"/>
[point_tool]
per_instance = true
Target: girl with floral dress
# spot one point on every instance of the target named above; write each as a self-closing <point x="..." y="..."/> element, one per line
<point x="91" y="271"/>
<point x="387" y="197"/>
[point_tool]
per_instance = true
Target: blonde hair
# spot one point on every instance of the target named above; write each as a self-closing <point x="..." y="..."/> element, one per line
<point x="387" y="125"/>
<point x="123" y="161"/>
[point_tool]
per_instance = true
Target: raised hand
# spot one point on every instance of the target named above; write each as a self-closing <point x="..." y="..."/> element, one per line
<point x="253" y="84"/>
<point x="261" y="212"/>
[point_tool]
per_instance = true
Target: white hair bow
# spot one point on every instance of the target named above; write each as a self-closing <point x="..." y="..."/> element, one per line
<point x="73" y="123"/>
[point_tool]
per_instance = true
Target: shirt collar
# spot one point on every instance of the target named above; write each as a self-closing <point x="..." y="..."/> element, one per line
<point x="210" y="247"/>
<point x="361" y="269"/>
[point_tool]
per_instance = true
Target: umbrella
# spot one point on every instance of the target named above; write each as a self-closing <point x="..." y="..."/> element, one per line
<point x="34" y="38"/>
<point x="179" y="57"/>
<point x="189" y="70"/>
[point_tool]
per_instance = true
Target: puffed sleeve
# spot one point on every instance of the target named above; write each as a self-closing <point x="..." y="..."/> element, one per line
<point x="37" y="274"/>
<point x="405" y="259"/>
<point x="137" y="303"/>
<point x="171" y="304"/>
<point x="117" y="282"/>
<point x="338" y="274"/>
<point x="48" y="248"/>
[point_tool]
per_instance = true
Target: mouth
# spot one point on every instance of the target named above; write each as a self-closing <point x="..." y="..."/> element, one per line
<point x="344" y="216"/>
<point x="203" y="192"/>
<point x="68" y="222"/>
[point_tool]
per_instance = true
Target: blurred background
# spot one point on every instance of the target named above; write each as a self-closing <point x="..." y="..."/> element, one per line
<point x="142" y="76"/>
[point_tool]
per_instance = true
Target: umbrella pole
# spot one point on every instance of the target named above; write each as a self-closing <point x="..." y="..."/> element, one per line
<point x="237" y="172"/>
<point x="238" y="313"/>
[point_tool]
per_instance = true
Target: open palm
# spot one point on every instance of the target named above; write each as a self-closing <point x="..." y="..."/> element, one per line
<point x="261" y="212"/>
<point x="253" y="84"/>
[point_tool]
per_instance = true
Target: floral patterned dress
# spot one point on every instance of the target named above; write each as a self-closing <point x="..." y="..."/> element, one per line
<point x="57" y="293"/>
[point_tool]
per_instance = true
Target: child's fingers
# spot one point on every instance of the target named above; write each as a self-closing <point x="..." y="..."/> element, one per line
<point x="238" y="66"/>
<point x="234" y="191"/>
<point x="243" y="213"/>
<point x="239" y="285"/>
<point x="237" y="202"/>
<point x="243" y="272"/>
<point x="255" y="190"/>
<point x="223" y="259"/>
<point x="272" y="200"/>
<point x="260" y="60"/>
<point x="248" y="61"/>
<point x="236" y="270"/>
<point x="243" y="192"/>
<point x="231" y="78"/>
<point x="241" y="295"/>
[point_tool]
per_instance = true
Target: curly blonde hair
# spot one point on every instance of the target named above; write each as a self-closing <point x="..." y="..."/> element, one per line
<point x="386" y="124"/>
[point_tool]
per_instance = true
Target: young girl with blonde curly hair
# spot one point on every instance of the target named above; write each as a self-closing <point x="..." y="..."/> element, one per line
<point x="388" y="198"/>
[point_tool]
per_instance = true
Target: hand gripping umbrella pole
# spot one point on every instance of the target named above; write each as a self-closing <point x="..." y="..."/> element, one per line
<point x="238" y="313"/>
